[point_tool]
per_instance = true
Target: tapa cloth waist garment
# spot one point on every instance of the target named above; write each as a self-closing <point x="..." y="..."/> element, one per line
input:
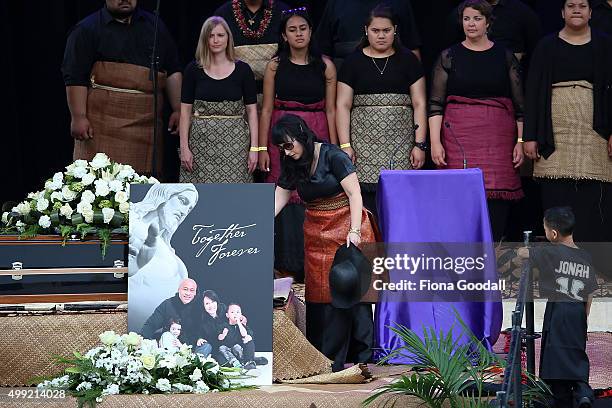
<point x="325" y="228"/>
<point x="486" y="131"/>
<point x="120" y="112"/>
<point x="219" y="140"/>
<point x="257" y="56"/>
<point x="315" y="117"/>
<point x="382" y="134"/>
<point x="580" y="152"/>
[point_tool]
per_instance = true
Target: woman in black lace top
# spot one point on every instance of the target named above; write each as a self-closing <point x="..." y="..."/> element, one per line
<point x="476" y="112"/>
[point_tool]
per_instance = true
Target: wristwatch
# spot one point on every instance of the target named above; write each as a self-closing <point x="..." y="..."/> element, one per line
<point x="422" y="145"/>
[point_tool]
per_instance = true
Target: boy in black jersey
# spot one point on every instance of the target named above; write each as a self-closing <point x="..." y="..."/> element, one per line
<point x="567" y="279"/>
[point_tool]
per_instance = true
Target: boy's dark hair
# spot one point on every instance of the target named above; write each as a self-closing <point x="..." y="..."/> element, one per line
<point x="171" y="321"/>
<point x="561" y="219"/>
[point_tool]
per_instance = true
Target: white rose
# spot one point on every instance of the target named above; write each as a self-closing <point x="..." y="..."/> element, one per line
<point x="88" y="215"/>
<point x="121" y="197"/>
<point x="88" y="179"/>
<point x="101" y="188"/>
<point x="88" y="196"/>
<point x="66" y="210"/>
<point x="115" y="185"/>
<point x="42" y="204"/>
<point x="148" y="361"/>
<point x="32" y="195"/>
<point x="5" y="217"/>
<point x="168" y="362"/>
<point x="70" y="169"/>
<point x="107" y="214"/>
<point x="85" y="385"/>
<point x="201" y="387"/>
<point x="131" y="339"/>
<point x="99" y="161"/>
<point x="44" y="221"/>
<point x="197" y="375"/>
<point x="80" y="163"/>
<point x="58" y="177"/>
<point x="84" y="206"/>
<point x="20" y="226"/>
<point x="68" y="194"/>
<point x="23" y="208"/>
<point x="163" y="385"/>
<point x="126" y="172"/>
<point x="112" y="389"/>
<point x="124" y="207"/>
<point x="79" y="172"/>
<point x="109" y="338"/>
<point x="56" y="196"/>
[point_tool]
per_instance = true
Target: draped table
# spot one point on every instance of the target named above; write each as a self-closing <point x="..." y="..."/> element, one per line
<point x="438" y="206"/>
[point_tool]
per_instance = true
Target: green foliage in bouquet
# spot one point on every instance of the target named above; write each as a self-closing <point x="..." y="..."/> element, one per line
<point x="448" y="373"/>
<point x="89" y="198"/>
<point x="129" y="364"/>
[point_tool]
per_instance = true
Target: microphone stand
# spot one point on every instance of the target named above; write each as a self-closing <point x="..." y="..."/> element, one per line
<point x="154" y="78"/>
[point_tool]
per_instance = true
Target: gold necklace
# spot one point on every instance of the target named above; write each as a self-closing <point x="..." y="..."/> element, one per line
<point x="382" y="71"/>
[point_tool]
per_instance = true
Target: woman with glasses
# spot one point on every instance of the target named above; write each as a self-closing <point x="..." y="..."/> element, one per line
<point x="381" y="114"/>
<point x="217" y="144"/>
<point x="476" y="112"/>
<point x="300" y="81"/>
<point x="325" y="179"/>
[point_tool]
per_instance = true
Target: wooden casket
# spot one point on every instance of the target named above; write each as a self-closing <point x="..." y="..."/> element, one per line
<point x="43" y="270"/>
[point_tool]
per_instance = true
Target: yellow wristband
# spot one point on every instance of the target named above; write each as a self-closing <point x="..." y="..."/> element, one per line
<point x="263" y="148"/>
<point x="254" y="149"/>
<point x="345" y="145"/>
<point x="519" y="140"/>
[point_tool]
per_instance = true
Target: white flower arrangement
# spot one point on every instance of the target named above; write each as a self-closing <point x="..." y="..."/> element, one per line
<point x="128" y="364"/>
<point x="88" y="198"/>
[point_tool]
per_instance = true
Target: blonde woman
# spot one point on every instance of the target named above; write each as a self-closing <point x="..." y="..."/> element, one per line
<point x="217" y="144"/>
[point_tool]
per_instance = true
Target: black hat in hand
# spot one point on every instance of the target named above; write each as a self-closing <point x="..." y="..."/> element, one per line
<point x="349" y="277"/>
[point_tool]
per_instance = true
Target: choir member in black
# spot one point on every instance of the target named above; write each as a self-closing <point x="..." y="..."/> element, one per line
<point x="326" y="180"/>
<point x="217" y="144"/>
<point x="476" y="111"/>
<point x="601" y="19"/>
<point x="381" y="101"/>
<point x="300" y="81"/>
<point x="341" y="27"/>
<point x="568" y="122"/>
<point x="110" y="97"/>
<point x="567" y="278"/>
<point x="514" y="25"/>
<point x="254" y="24"/>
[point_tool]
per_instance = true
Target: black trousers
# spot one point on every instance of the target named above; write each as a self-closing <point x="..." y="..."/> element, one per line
<point x="566" y="392"/>
<point x="499" y="212"/>
<point x="591" y="202"/>
<point x="342" y="335"/>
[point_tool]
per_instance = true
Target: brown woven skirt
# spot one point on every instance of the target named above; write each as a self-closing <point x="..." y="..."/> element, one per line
<point x="580" y="152"/>
<point x="325" y="228"/>
<point x="219" y="139"/>
<point x="382" y="134"/>
<point x="257" y="56"/>
<point x="120" y="112"/>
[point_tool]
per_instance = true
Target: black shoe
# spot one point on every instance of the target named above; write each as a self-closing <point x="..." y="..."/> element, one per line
<point x="261" y="360"/>
<point x="584" y="402"/>
<point x="249" y="366"/>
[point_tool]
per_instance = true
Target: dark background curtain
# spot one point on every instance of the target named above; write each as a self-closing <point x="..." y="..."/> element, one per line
<point x="35" y="138"/>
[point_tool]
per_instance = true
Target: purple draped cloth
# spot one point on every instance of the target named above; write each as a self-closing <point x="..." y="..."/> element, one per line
<point x="434" y="206"/>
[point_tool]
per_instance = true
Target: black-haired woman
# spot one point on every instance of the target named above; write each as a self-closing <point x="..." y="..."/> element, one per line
<point x="568" y="122"/>
<point x="325" y="179"/>
<point x="299" y="81"/>
<point x="381" y="101"/>
<point x="476" y="112"/>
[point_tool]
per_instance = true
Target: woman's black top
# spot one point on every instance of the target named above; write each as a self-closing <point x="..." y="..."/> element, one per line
<point x="300" y="83"/>
<point x="239" y="85"/>
<point x="601" y="19"/>
<point x="573" y="62"/>
<point x="204" y="326"/>
<point x="363" y="73"/>
<point x="492" y="73"/>
<point x="538" y="118"/>
<point x="333" y="166"/>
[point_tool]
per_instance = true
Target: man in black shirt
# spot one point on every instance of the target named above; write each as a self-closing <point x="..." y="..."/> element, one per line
<point x="601" y="19"/>
<point x="567" y="278"/>
<point x="343" y="21"/>
<point x="106" y="73"/>
<point x="515" y="26"/>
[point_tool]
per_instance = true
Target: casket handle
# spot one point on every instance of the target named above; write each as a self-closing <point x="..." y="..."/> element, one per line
<point x="118" y="264"/>
<point x="17" y="266"/>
